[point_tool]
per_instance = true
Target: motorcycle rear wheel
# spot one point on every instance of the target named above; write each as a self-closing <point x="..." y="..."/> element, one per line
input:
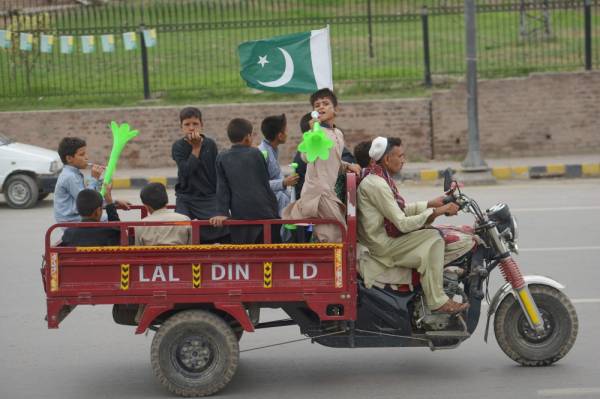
<point x="521" y="343"/>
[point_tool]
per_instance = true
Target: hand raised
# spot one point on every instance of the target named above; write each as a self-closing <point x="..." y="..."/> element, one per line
<point x="291" y="180"/>
<point x="97" y="171"/>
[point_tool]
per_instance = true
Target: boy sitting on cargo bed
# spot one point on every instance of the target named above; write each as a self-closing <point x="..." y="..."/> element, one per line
<point x="89" y="206"/>
<point x="154" y="197"/>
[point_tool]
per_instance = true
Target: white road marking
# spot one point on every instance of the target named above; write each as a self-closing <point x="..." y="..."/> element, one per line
<point x="586" y="300"/>
<point x="567" y="392"/>
<point x="564" y="208"/>
<point x="576" y="301"/>
<point x="555" y="249"/>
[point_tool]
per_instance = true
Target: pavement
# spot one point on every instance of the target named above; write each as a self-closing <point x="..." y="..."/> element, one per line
<point x="563" y="166"/>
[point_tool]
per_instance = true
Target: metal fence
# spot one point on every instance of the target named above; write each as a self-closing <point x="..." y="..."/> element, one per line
<point x="376" y="44"/>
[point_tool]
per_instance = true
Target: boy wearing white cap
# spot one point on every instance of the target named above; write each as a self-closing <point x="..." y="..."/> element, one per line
<point x="393" y="230"/>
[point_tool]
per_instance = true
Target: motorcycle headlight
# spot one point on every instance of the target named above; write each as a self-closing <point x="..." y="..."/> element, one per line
<point x="505" y="222"/>
<point x="55" y="166"/>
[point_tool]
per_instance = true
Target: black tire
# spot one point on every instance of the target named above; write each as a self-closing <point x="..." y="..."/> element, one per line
<point x="521" y="343"/>
<point x="21" y="191"/>
<point x="42" y="196"/>
<point x="238" y="330"/>
<point x="124" y="314"/>
<point x="195" y="353"/>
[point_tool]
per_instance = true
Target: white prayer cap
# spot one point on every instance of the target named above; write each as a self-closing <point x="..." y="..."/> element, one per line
<point x="378" y="147"/>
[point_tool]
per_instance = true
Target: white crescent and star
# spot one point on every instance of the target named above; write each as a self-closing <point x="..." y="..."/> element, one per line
<point x="262" y="60"/>
<point x="288" y="72"/>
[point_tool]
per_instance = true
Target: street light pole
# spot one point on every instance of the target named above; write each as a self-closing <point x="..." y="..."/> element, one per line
<point x="473" y="162"/>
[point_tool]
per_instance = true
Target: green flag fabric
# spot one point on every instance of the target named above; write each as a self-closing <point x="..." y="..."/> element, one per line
<point x="296" y="63"/>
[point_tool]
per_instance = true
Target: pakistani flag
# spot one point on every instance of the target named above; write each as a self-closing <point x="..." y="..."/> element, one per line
<point x="296" y="63"/>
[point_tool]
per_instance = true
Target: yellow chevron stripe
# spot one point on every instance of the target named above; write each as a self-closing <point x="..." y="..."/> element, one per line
<point x="196" y="275"/>
<point x="124" y="276"/>
<point x="268" y="274"/>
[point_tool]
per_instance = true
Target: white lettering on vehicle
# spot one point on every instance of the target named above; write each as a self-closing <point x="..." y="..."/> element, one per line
<point x="230" y="271"/>
<point x="158" y="274"/>
<point x="309" y="271"/>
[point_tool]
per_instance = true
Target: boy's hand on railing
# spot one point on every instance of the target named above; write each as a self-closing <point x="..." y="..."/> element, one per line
<point x="123" y="204"/>
<point x="352" y="167"/>
<point x="217" y="221"/>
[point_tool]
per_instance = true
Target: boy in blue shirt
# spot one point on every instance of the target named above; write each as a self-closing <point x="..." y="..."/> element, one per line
<point x="274" y="128"/>
<point x="73" y="153"/>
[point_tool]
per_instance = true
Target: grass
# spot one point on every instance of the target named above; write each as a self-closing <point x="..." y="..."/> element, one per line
<point x="199" y="62"/>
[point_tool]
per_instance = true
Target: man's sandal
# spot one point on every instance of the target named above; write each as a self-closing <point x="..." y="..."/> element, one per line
<point x="451" y="307"/>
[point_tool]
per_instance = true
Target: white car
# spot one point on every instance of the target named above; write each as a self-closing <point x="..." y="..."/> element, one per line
<point x="27" y="173"/>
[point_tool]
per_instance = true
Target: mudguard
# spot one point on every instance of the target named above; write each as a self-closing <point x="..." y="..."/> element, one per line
<point x="506" y="289"/>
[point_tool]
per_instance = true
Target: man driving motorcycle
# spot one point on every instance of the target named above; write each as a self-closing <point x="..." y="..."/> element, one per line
<point x="398" y="234"/>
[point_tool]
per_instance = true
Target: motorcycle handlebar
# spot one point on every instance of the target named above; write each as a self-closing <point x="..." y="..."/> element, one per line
<point x="448" y="199"/>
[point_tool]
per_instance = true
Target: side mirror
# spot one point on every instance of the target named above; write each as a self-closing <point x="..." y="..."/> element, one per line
<point x="447" y="179"/>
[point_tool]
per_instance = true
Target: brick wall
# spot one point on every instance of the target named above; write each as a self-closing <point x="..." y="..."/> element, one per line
<point x="544" y="114"/>
<point x="159" y="127"/>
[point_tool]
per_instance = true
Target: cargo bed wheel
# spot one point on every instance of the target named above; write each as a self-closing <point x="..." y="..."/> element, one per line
<point x="195" y="353"/>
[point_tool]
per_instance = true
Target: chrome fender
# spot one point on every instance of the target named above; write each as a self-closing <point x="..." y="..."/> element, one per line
<point x="506" y="289"/>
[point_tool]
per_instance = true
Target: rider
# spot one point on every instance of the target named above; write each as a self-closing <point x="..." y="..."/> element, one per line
<point x="396" y="233"/>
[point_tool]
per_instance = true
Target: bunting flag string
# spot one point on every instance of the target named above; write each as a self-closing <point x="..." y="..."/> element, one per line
<point x="5" y="38"/>
<point x="46" y="43"/>
<point x="26" y="41"/>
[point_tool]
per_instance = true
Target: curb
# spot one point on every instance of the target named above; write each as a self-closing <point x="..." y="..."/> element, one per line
<point x="499" y="172"/>
<point x="519" y="172"/>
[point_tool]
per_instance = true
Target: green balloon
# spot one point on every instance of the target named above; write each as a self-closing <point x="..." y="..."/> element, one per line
<point x="121" y="135"/>
<point x="315" y="144"/>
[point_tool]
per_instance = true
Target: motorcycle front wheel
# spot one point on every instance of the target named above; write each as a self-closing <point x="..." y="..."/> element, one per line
<point x="522" y="343"/>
